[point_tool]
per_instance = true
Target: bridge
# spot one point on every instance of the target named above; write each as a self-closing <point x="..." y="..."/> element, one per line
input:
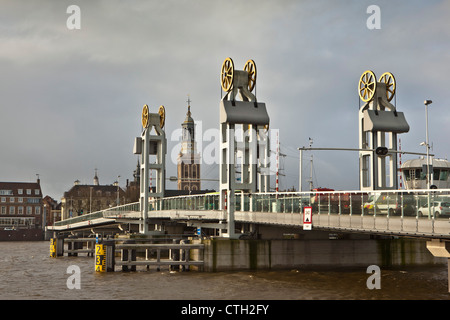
<point x="400" y="213"/>
<point x="244" y="209"/>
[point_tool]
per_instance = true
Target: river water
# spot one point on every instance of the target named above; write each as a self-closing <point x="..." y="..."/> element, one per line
<point x="27" y="272"/>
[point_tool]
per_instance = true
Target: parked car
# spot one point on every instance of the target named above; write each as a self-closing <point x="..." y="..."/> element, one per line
<point x="438" y="207"/>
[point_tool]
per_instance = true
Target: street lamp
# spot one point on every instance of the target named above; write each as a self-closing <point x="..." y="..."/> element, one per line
<point x="118" y="199"/>
<point x="427" y="144"/>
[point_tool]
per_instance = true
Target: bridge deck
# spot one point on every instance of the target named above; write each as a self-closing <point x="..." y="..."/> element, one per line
<point x="404" y="213"/>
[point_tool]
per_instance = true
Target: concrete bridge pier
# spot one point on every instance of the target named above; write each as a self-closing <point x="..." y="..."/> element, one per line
<point x="441" y="249"/>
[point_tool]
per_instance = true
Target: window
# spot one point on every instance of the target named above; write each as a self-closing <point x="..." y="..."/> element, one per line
<point x="421" y="174"/>
<point x="28" y="191"/>
<point x="412" y="174"/>
<point x="20" y="210"/>
<point x="11" y="199"/>
<point x="36" y="192"/>
<point x="20" y="191"/>
<point x="3" y="210"/>
<point x="443" y="175"/>
<point x="3" y="199"/>
<point x="29" y="210"/>
<point x="6" y="192"/>
<point x="37" y="210"/>
<point x="11" y="210"/>
<point x="20" y="199"/>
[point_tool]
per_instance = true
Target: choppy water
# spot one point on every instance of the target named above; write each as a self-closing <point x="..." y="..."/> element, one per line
<point x="27" y="272"/>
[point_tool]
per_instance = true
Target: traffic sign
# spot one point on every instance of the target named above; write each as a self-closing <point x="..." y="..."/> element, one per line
<point x="307" y="218"/>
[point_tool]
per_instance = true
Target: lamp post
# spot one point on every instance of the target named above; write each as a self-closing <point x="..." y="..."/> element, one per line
<point x="427" y="144"/>
<point x="118" y="199"/>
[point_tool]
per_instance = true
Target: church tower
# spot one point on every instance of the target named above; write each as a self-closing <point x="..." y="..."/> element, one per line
<point x="188" y="166"/>
<point x="96" y="182"/>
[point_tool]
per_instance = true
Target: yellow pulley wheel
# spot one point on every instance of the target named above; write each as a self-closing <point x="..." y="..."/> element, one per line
<point x="367" y="85"/>
<point x="389" y="79"/>
<point x="145" y="116"/>
<point x="162" y="116"/>
<point x="227" y="74"/>
<point x="250" y="67"/>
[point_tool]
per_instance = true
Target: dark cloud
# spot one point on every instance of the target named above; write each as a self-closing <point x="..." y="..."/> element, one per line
<point x="71" y="99"/>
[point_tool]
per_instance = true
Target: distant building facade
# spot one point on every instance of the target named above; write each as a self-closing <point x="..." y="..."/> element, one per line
<point x="133" y="187"/>
<point x="21" y="205"/>
<point x="83" y="198"/>
<point x="52" y="210"/>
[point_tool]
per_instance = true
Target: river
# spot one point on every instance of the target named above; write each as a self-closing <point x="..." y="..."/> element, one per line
<point x="28" y="273"/>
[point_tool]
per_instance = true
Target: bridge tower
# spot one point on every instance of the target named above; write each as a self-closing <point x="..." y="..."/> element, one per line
<point x="244" y="139"/>
<point x="146" y="145"/>
<point x="379" y="124"/>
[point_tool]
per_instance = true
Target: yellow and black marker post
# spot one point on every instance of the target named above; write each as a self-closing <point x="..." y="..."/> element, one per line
<point x="53" y="247"/>
<point x="100" y="258"/>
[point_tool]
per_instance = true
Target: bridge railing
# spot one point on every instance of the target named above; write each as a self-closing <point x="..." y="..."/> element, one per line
<point x="122" y="210"/>
<point x="415" y="203"/>
<point x="399" y="212"/>
<point x="421" y="204"/>
<point x="112" y="212"/>
<point x="198" y="202"/>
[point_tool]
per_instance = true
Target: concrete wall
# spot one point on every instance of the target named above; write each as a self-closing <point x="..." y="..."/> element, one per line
<point x="224" y="254"/>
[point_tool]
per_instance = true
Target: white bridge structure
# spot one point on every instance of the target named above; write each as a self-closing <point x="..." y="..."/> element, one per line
<point x="243" y="206"/>
<point x="244" y="209"/>
<point x="394" y="213"/>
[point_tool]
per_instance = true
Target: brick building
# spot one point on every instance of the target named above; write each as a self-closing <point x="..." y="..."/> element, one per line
<point x="21" y="205"/>
<point x="52" y="210"/>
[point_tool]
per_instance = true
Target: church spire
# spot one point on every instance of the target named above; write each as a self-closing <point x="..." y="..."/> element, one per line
<point x="96" y="183"/>
<point x="189" y="114"/>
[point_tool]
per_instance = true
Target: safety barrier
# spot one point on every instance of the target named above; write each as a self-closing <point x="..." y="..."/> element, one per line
<point x="415" y="211"/>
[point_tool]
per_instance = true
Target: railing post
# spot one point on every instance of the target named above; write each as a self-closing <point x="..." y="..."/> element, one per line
<point x="339" y="209"/>
<point x="60" y="246"/>
<point x="158" y="259"/>
<point x="175" y="256"/>
<point x="110" y="255"/>
<point x="129" y="255"/>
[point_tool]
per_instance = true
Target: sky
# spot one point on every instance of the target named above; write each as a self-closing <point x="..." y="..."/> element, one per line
<point x="71" y="99"/>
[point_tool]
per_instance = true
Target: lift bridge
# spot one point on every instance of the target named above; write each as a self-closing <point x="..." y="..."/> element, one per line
<point x="245" y="209"/>
<point x="394" y="213"/>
